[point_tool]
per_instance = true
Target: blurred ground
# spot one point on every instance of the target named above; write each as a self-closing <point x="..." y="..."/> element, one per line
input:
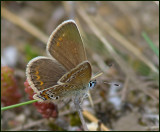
<point x="112" y="34"/>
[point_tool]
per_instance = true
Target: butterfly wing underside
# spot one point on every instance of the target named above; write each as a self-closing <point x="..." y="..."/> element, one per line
<point x="47" y="78"/>
<point x="66" y="46"/>
<point x="81" y="74"/>
<point x="43" y="72"/>
<point x="56" y="92"/>
<point x="69" y="84"/>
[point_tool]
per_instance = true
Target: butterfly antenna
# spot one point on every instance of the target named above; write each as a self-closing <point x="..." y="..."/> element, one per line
<point x="97" y="75"/>
<point x="115" y="84"/>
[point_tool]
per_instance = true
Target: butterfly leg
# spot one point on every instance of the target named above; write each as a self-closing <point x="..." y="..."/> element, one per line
<point x="79" y="109"/>
<point x="77" y="102"/>
<point x="84" y="96"/>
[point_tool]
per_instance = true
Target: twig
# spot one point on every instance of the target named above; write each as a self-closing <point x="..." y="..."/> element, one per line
<point x="77" y="105"/>
<point x="31" y="124"/>
<point x="127" y="44"/>
<point x="24" y="24"/>
<point x="66" y="112"/>
<point x="124" y="42"/>
<point x="94" y="119"/>
<point x="128" y="71"/>
<point x="100" y="63"/>
<point x="124" y="90"/>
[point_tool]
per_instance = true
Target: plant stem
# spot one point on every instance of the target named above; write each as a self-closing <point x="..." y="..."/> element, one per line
<point x="150" y="43"/>
<point x="17" y="105"/>
<point x="77" y="105"/>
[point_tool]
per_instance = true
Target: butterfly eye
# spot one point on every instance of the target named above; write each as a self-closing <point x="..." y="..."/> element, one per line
<point x="92" y="84"/>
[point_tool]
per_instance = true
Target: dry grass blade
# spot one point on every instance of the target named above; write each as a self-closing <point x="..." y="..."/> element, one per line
<point x="29" y="125"/>
<point x="128" y="71"/>
<point x="24" y="24"/>
<point x="94" y="119"/>
<point x="124" y="42"/>
<point x="99" y="34"/>
<point x="124" y="90"/>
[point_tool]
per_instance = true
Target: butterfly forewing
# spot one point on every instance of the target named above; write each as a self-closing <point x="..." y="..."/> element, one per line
<point x="66" y="46"/>
<point x="81" y="74"/>
<point x="43" y="72"/>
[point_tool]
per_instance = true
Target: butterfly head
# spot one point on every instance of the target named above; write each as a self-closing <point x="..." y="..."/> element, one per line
<point x="91" y="84"/>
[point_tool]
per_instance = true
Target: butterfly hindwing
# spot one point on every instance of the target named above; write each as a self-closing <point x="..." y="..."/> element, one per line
<point x="56" y="92"/>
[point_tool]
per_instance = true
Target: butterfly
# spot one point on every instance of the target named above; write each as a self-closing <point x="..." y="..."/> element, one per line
<point x="67" y="72"/>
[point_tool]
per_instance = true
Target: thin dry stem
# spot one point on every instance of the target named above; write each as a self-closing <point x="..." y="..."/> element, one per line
<point x="97" y="58"/>
<point x="29" y="125"/>
<point x="123" y="41"/>
<point x="128" y="71"/>
<point x="124" y="90"/>
<point x="24" y="24"/>
<point x="77" y="105"/>
<point x="127" y="44"/>
<point x="94" y="119"/>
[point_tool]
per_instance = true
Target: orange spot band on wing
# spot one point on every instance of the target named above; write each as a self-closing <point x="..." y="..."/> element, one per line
<point x="44" y="95"/>
<point x="58" y="44"/>
<point x="60" y="39"/>
<point x="37" y="72"/>
<point x="38" y="77"/>
<point x="41" y="83"/>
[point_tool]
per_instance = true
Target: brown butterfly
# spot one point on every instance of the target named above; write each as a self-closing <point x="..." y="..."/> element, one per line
<point x="52" y="81"/>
